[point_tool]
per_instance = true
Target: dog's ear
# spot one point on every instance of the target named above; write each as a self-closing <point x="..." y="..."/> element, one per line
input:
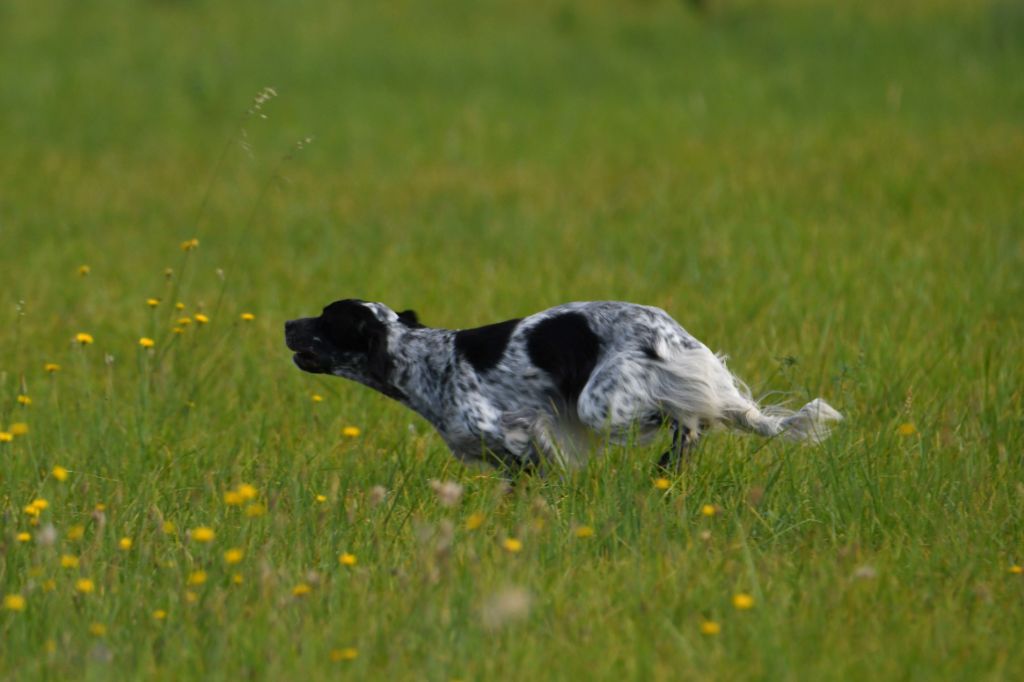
<point x="410" y="319"/>
<point x="378" y="360"/>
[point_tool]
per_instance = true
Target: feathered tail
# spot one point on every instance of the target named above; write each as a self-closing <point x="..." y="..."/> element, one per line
<point x="811" y="423"/>
<point x="696" y="384"/>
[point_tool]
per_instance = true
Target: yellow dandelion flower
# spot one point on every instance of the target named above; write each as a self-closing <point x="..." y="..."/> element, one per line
<point x="60" y="473"/>
<point x="40" y="503"/>
<point x="233" y="498"/>
<point x="203" y="534"/>
<point x="152" y="302"/>
<point x="191" y="597"/>
<point x="24" y="400"/>
<point x="159" y="614"/>
<point x="69" y="561"/>
<point x="49" y="585"/>
<point x="147" y="342"/>
<point x="346" y="559"/>
<point x="51" y="367"/>
<point x="30" y="509"/>
<point x="23" y="536"/>
<point x="237" y="579"/>
<point x="200" y="318"/>
<point x="351" y="432"/>
<point x="346" y="654"/>
<point x="169" y="528"/>
<point x="97" y="629"/>
<point x="248" y="492"/>
<point x="316" y="398"/>
<point x="197" y="577"/>
<point x="254" y="510"/>
<point x="124" y="544"/>
<point x="662" y="483"/>
<point x="233" y="556"/>
<point x="474" y="521"/>
<point x="321" y="498"/>
<point x="100" y="507"/>
<point x="83" y="338"/>
<point x="14" y="602"/>
<point x="18" y="429"/>
<point x="6" y="437"/>
<point x="177" y="330"/>
<point x="584" y="532"/>
<point x="743" y="601"/>
<point x="1016" y="569"/>
<point x="709" y="627"/>
<point x="190" y="244"/>
<point x="76" y="532"/>
<point x="709" y="510"/>
<point x="84" y="270"/>
<point x="179" y="306"/>
<point x="85" y="586"/>
<point x="247" y="317"/>
<point x="184" y="321"/>
<point x="512" y="545"/>
<point x="301" y="590"/>
<point x="906" y="429"/>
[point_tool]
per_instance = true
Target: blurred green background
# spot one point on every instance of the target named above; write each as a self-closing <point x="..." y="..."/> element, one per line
<point x="463" y="149"/>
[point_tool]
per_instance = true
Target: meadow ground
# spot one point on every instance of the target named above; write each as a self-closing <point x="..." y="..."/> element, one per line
<point x="831" y="195"/>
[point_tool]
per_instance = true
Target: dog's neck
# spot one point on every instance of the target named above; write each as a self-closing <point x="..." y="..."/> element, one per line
<point x="422" y="360"/>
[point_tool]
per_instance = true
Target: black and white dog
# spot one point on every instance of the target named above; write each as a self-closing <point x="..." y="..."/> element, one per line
<point x="546" y="387"/>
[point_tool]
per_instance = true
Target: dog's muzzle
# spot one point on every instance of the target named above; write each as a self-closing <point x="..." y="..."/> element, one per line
<point x="298" y="335"/>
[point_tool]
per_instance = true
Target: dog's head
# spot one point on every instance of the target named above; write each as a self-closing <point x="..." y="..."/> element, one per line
<point x="349" y="339"/>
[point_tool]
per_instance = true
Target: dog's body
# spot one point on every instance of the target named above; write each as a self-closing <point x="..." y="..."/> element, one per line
<point x="541" y="388"/>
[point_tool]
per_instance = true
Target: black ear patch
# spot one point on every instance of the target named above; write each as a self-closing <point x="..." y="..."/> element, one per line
<point x="566" y="348"/>
<point x="410" y="319"/>
<point x="378" y="360"/>
<point x="347" y="324"/>
<point x="483" y="347"/>
<point x="352" y="328"/>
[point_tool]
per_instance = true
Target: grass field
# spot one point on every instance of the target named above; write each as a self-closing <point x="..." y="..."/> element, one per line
<point x="831" y="193"/>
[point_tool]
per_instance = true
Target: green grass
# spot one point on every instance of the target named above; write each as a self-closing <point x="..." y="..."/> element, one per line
<point x="830" y="195"/>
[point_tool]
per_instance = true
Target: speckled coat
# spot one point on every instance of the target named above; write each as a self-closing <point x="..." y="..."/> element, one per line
<point x="546" y="388"/>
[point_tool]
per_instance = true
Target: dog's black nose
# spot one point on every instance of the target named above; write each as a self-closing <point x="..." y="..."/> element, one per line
<point x="299" y="334"/>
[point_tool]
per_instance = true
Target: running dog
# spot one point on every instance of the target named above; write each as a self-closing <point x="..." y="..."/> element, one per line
<point x="545" y="388"/>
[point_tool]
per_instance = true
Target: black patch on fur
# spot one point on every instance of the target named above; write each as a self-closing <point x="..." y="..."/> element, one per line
<point x="410" y="319"/>
<point x="566" y="348"/>
<point x="650" y="353"/>
<point x="352" y="328"/>
<point x="483" y="347"/>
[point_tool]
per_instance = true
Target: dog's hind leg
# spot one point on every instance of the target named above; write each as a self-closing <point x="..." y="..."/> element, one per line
<point x="617" y="402"/>
<point x="684" y="441"/>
